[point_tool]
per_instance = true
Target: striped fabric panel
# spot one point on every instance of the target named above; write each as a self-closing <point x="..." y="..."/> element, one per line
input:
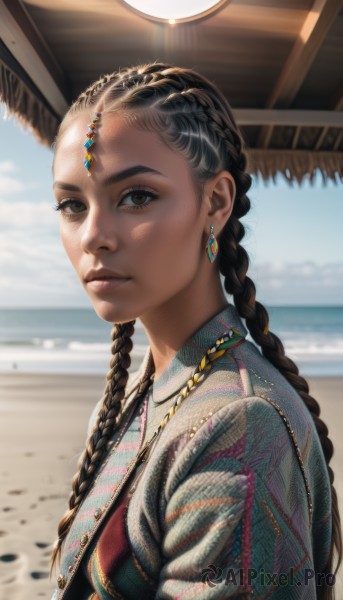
<point x="108" y="479"/>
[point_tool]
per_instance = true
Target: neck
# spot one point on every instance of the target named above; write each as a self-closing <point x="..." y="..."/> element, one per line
<point x="173" y="323"/>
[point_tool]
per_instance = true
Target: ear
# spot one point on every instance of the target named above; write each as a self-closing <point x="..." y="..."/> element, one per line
<point x="219" y="195"/>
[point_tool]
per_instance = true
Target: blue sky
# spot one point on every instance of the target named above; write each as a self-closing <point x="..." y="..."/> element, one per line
<point x="293" y="235"/>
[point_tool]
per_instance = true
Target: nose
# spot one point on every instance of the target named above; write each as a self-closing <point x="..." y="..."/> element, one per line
<point x="99" y="233"/>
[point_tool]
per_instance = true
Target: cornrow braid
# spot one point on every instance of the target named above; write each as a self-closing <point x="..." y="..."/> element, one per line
<point x="194" y="117"/>
<point x="90" y="94"/>
<point x="107" y="421"/>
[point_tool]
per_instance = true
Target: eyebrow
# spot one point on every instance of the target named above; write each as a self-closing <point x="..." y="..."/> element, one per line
<point x="112" y="178"/>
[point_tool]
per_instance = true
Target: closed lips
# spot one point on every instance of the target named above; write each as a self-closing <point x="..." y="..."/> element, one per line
<point x="102" y="276"/>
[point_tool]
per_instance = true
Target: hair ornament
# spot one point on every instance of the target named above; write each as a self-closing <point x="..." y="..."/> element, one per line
<point x="90" y="141"/>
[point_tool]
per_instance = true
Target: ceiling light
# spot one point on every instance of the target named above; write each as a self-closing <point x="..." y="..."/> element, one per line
<point x="177" y="11"/>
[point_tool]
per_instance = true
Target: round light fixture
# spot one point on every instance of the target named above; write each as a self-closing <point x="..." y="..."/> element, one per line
<point x="177" y="11"/>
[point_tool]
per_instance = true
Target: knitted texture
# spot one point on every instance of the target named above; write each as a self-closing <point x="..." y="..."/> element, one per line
<point x="235" y="484"/>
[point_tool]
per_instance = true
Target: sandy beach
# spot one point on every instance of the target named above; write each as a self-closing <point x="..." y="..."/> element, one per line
<point x="43" y="422"/>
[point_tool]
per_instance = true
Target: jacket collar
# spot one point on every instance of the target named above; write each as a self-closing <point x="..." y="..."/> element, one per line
<point x="186" y="359"/>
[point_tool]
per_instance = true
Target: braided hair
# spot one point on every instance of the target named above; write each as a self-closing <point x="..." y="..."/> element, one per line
<point x="108" y="419"/>
<point x="192" y="116"/>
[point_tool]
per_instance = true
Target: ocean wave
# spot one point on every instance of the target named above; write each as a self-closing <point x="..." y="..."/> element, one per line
<point x="34" y="342"/>
<point x="88" y="347"/>
<point x="333" y="349"/>
<point x="76" y="346"/>
<point x="48" y="343"/>
<point x="61" y="361"/>
<point x="18" y="343"/>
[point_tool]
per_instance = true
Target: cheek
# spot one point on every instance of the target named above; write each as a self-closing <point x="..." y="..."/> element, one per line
<point x="169" y="245"/>
<point x="71" y="244"/>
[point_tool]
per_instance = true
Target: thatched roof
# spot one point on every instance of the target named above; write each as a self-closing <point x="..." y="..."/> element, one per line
<point x="278" y="61"/>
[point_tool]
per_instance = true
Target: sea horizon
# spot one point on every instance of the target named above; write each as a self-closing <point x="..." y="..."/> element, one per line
<point x="75" y="340"/>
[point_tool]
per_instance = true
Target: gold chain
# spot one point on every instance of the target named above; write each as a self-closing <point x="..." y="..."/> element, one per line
<point x="220" y="347"/>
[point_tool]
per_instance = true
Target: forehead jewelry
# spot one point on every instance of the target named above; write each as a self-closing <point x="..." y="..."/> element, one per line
<point x="90" y="140"/>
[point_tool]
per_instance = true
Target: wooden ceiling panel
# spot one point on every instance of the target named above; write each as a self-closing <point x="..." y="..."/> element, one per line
<point x="326" y="72"/>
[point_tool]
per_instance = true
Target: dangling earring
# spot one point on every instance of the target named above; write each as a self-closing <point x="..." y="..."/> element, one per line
<point x="212" y="245"/>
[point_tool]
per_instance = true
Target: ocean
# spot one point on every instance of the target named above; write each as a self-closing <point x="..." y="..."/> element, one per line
<point x="77" y="341"/>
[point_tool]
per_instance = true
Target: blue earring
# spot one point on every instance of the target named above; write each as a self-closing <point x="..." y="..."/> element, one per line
<point x="212" y="245"/>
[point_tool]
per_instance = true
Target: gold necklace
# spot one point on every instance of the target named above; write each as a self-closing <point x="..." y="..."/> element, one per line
<point x="222" y="345"/>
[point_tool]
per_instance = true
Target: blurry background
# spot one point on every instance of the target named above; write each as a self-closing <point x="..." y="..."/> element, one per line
<point x="293" y="237"/>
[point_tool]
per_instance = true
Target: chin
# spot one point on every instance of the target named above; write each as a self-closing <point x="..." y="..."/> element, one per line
<point x="113" y="313"/>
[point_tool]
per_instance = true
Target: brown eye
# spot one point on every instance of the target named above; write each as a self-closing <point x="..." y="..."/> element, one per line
<point x="70" y="206"/>
<point x="138" y="198"/>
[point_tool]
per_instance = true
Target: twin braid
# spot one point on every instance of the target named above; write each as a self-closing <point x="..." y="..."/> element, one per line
<point x="108" y="420"/>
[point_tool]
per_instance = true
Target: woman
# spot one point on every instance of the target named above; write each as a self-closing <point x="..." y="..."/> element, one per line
<point x="206" y="475"/>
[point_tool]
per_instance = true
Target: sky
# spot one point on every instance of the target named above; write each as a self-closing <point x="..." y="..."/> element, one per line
<point x="293" y="235"/>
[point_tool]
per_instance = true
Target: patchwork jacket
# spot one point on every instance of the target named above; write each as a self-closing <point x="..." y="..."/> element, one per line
<point x="234" y="500"/>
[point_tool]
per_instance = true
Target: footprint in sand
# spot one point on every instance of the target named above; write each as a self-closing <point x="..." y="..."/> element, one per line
<point x="2" y="533"/>
<point x="50" y="497"/>
<point x="39" y="574"/>
<point x="16" y="492"/>
<point x="29" y="454"/>
<point x="33" y="506"/>
<point x="8" y="508"/>
<point x="8" y="557"/>
<point x="22" y="522"/>
<point x="42" y="544"/>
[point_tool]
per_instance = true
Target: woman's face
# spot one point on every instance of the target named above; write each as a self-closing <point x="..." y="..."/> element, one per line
<point x="135" y="240"/>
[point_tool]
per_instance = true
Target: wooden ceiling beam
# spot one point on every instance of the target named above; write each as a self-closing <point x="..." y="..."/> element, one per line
<point x="338" y="141"/>
<point x="296" y="137"/>
<point x="313" y="32"/>
<point x="21" y="37"/>
<point x="288" y="117"/>
<point x="336" y="104"/>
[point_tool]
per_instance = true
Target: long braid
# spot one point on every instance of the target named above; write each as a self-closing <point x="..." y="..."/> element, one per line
<point x="193" y="116"/>
<point x="234" y="265"/>
<point x="106" y="423"/>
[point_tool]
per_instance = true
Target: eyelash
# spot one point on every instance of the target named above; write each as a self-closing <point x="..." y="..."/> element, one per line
<point x="138" y="190"/>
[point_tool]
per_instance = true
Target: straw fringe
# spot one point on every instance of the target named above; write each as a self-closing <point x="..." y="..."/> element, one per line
<point x="295" y="165"/>
<point x="22" y="103"/>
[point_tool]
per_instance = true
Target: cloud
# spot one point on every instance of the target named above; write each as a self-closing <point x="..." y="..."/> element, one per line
<point x="25" y="214"/>
<point x="305" y="283"/>
<point x="36" y="272"/>
<point x="34" y="269"/>
<point x="7" y="166"/>
<point x="10" y="184"/>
